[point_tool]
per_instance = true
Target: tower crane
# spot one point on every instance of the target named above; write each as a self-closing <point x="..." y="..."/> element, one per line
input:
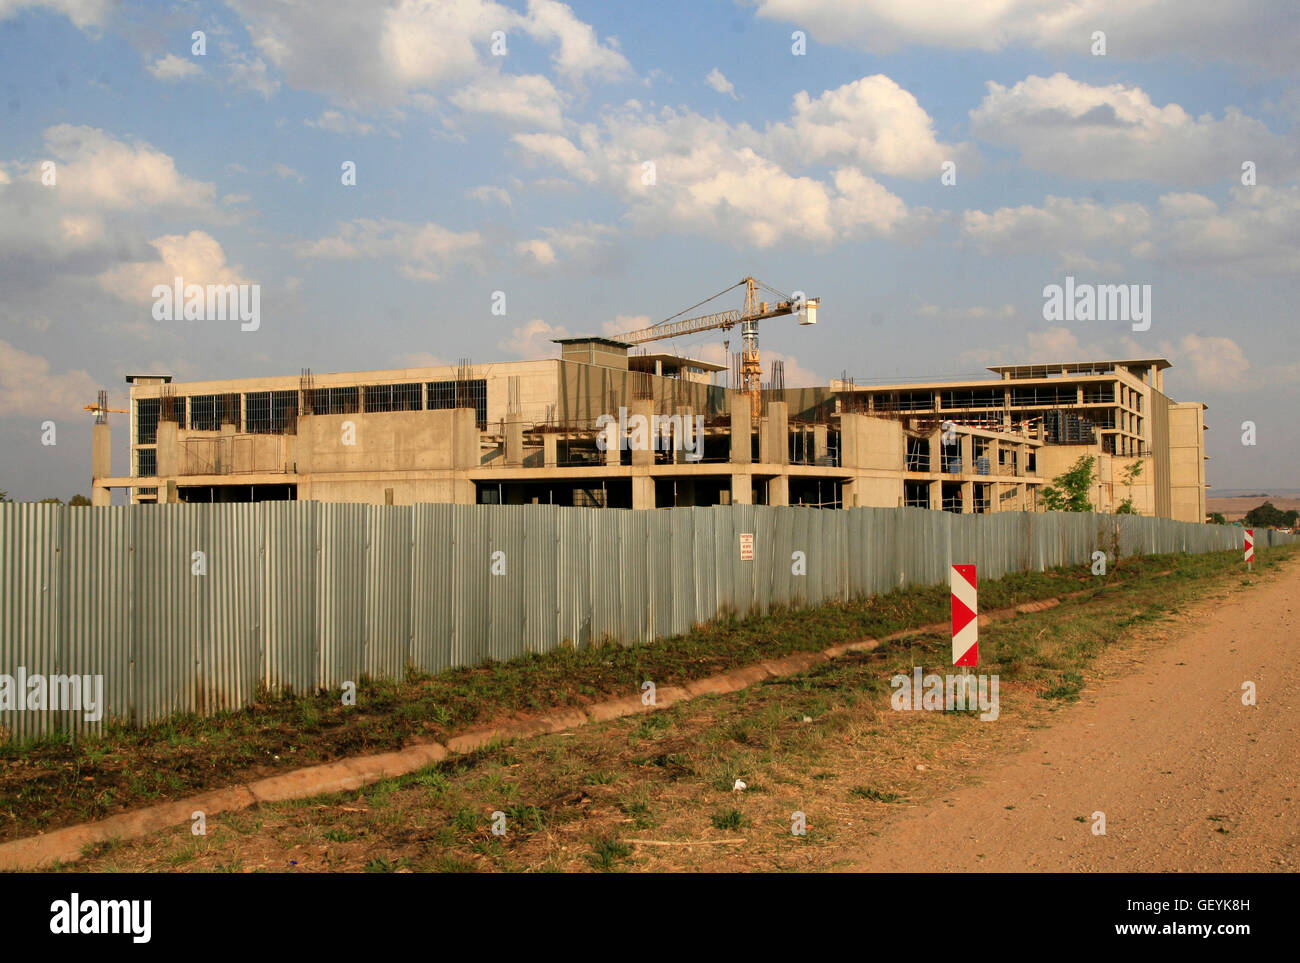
<point x="751" y="370"/>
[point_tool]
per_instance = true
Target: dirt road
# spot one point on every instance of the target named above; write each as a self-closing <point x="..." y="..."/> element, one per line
<point x="1189" y="778"/>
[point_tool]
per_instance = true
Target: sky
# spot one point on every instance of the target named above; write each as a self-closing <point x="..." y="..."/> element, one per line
<point x="926" y="168"/>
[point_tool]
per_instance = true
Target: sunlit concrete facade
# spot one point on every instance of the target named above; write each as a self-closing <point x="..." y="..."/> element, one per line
<point x="602" y="428"/>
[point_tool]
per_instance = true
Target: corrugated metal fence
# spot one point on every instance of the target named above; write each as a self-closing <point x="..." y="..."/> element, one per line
<point x="305" y="595"/>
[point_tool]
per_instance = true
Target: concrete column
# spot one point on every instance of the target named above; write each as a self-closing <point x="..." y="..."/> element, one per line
<point x="167" y="449"/>
<point x="967" y="454"/>
<point x="778" y="490"/>
<point x="742" y="492"/>
<point x="741" y="444"/>
<point x="550" y="449"/>
<point x="101" y="451"/>
<point x="776" y="433"/>
<point x="514" y="444"/>
<point x="936" y="495"/>
<point x="994" y="454"/>
<point x="612" y="452"/>
<point x="643" y="453"/>
<point x="464" y="440"/>
<point x="819" y="444"/>
<point x="1022" y="458"/>
<point x="643" y="491"/>
<point x="995" y="497"/>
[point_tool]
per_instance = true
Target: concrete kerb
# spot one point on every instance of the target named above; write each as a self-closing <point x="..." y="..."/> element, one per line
<point x="347" y="775"/>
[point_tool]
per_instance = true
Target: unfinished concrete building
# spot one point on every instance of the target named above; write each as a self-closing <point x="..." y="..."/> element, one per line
<point x="603" y="427"/>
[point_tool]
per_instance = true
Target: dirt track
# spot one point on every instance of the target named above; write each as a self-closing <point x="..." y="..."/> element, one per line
<point x="1188" y="777"/>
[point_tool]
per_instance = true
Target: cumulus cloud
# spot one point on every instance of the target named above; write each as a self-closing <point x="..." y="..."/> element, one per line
<point x="336" y="122"/>
<point x="528" y="100"/>
<point x="871" y="122"/>
<point x="487" y="193"/>
<point x="533" y="339"/>
<point x="677" y="171"/>
<point x="422" y="252"/>
<point x="197" y="257"/>
<point x="82" y="13"/>
<point x="29" y="388"/>
<point x="720" y="83"/>
<point x="1256" y="233"/>
<point x="391" y="53"/>
<point x="1260" y="32"/>
<point x="172" y="68"/>
<point x="98" y="171"/>
<point x="1061" y="125"/>
<point x="585" y="243"/>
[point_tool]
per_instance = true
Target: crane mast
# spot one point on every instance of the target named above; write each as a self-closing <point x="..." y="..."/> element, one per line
<point x="751" y="368"/>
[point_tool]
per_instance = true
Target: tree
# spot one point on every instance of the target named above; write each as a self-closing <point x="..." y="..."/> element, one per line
<point x="1069" y="493"/>
<point x="1217" y="518"/>
<point x="1269" y="515"/>
<point x="79" y="500"/>
<point x="1130" y="474"/>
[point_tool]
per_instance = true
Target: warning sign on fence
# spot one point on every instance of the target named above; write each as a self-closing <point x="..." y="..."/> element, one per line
<point x="746" y="546"/>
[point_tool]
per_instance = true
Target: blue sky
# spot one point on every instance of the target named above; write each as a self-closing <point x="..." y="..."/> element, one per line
<point x="523" y="173"/>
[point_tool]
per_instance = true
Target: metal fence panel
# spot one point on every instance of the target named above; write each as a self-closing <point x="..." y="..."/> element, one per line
<point x="189" y="608"/>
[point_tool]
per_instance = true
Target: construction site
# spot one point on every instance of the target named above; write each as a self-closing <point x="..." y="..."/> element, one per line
<point x="609" y="423"/>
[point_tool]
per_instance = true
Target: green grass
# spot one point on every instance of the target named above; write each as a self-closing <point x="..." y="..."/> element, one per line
<point x="55" y="781"/>
<point x="607" y="853"/>
<point x="729" y="819"/>
<point x="876" y="795"/>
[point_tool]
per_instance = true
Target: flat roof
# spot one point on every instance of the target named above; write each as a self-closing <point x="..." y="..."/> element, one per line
<point x="1076" y="366"/>
<point x="132" y="379"/>
<point x="678" y="359"/>
<point x="609" y="341"/>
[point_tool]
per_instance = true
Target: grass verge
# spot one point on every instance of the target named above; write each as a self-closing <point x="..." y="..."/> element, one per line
<point x="52" y="783"/>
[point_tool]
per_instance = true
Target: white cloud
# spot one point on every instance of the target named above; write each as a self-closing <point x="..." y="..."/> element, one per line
<point x="721" y="84"/>
<point x="796" y="375"/>
<point x="585" y="244"/>
<point x="336" y="122"/>
<point x="533" y="339"/>
<point x="580" y="54"/>
<point x="1061" y="225"/>
<point x="1257" y="233"/>
<point x="422" y="252"/>
<point x="420" y="359"/>
<point x="394" y="52"/>
<point x="197" y="257"/>
<point x="250" y="73"/>
<point x="1215" y="363"/>
<point x="1249" y="31"/>
<point x="1003" y="312"/>
<point x="97" y="171"/>
<point x="83" y="13"/>
<point x="712" y="178"/>
<point x="1067" y="127"/>
<point x="28" y="388"/>
<point x="871" y="122"/>
<point x="528" y="100"/>
<point x="285" y="172"/>
<point x="487" y="193"/>
<point x="172" y="68"/>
